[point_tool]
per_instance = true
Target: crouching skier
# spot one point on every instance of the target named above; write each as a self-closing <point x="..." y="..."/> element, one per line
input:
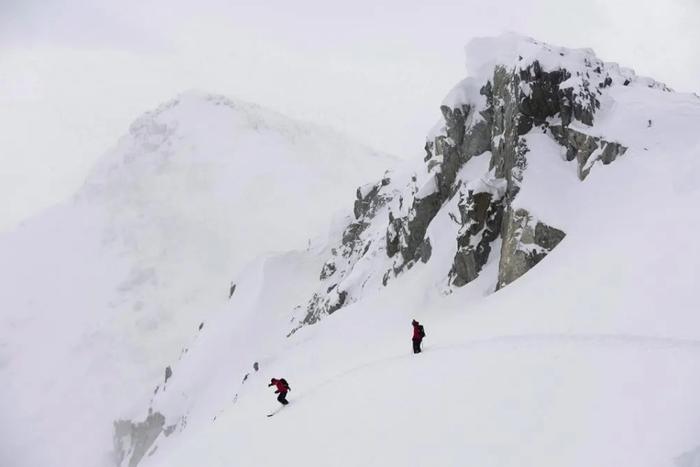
<point x="418" y="335"/>
<point x="282" y="389"/>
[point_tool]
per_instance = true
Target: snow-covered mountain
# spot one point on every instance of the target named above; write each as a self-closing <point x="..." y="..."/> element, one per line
<point x="547" y="243"/>
<point x="101" y="293"/>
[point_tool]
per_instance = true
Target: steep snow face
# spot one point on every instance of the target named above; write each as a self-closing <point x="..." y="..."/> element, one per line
<point x="590" y="357"/>
<point x="202" y="185"/>
<point x="101" y="293"/>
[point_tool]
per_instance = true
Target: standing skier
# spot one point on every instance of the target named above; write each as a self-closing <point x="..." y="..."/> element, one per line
<point x="282" y="389"/>
<point x="418" y="335"/>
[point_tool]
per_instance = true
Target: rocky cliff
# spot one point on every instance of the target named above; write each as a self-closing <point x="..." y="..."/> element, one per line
<point x="520" y="89"/>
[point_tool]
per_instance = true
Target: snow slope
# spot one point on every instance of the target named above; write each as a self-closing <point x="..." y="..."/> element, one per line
<point x="102" y="292"/>
<point x="590" y="358"/>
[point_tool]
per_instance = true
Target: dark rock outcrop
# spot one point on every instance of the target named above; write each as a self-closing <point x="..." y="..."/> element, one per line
<point x="526" y="241"/>
<point x="356" y="243"/>
<point x="586" y="149"/>
<point x="481" y="217"/>
<point x="408" y="233"/>
<point x="495" y="118"/>
<point x="133" y="440"/>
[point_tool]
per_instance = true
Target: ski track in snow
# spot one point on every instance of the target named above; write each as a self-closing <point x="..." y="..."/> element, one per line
<point x="642" y="343"/>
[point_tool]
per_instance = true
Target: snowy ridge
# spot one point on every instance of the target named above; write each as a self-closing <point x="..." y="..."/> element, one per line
<point x="546" y="241"/>
<point x="114" y="282"/>
<point x="512" y="50"/>
<point x="587" y="351"/>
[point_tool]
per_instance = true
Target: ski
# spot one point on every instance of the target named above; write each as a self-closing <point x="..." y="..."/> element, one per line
<point x="276" y="411"/>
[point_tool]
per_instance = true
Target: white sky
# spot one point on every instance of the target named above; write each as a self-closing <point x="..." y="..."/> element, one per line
<point x="75" y="73"/>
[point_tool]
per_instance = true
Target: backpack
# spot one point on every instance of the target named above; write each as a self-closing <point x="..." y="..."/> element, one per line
<point x="286" y="384"/>
<point x="422" y="331"/>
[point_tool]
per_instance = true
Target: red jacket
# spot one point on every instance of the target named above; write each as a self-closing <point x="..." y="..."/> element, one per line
<point x="279" y="384"/>
<point x="417" y="333"/>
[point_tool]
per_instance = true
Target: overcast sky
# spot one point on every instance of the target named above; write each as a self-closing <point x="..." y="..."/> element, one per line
<point x="75" y="73"/>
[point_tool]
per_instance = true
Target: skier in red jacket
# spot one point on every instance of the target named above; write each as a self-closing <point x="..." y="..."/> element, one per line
<point x="418" y="335"/>
<point x="282" y="389"/>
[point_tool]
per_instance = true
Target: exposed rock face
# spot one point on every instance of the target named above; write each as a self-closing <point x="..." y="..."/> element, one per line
<point x="586" y="149"/>
<point x="507" y="125"/>
<point x="526" y="241"/>
<point x="132" y="440"/>
<point x="406" y="234"/>
<point x="541" y="90"/>
<point x="356" y="244"/>
<point x="481" y="217"/>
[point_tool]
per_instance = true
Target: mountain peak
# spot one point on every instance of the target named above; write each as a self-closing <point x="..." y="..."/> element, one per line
<point x="196" y="128"/>
<point x="197" y="109"/>
<point x="578" y="70"/>
<point x="198" y="188"/>
<point x="519" y="52"/>
<point x="528" y="117"/>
